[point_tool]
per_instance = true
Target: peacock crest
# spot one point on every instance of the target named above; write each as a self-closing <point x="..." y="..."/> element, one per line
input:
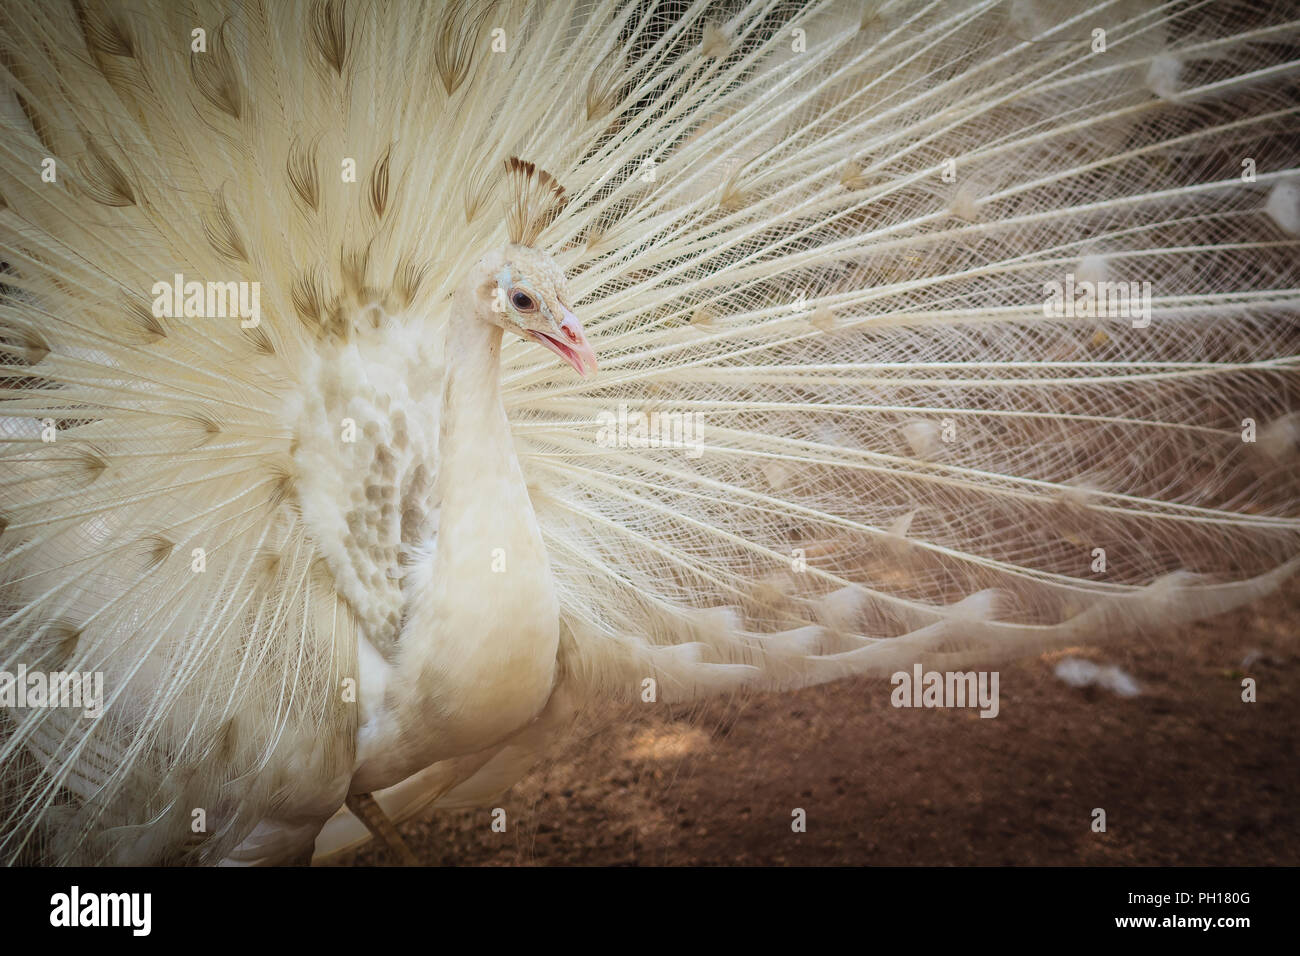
<point x="534" y="200"/>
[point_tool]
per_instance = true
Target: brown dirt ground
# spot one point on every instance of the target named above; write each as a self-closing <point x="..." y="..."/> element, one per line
<point x="1187" y="772"/>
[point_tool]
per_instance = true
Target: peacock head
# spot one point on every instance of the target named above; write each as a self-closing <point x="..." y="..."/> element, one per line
<point x="523" y="291"/>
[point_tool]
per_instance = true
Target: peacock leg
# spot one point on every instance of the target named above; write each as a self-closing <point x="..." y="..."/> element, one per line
<point x="303" y="858"/>
<point x="366" y="808"/>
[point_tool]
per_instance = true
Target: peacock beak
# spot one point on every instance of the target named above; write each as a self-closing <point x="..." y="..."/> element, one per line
<point x="571" y="344"/>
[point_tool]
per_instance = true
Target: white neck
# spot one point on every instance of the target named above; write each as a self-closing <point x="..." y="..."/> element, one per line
<point x="475" y="431"/>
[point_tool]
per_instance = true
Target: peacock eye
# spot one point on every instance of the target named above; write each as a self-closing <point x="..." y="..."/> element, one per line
<point x="521" y="301"/>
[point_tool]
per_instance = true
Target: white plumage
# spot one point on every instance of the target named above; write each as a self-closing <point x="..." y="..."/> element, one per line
<point x="366" y="543"/>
